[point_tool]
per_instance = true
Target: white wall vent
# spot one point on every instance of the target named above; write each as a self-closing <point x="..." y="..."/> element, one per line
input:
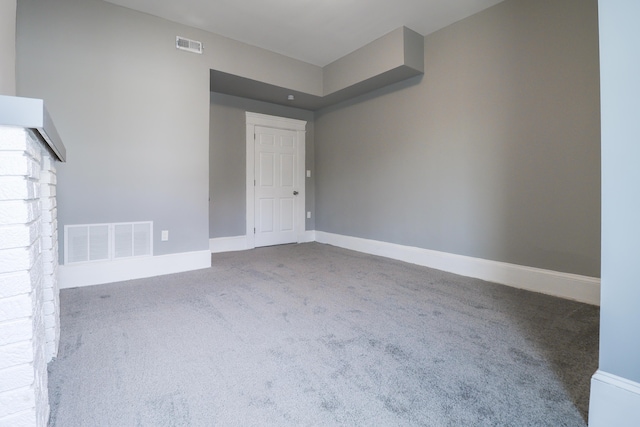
<point x="106" y="242"/>
<point x="188" y="45"/>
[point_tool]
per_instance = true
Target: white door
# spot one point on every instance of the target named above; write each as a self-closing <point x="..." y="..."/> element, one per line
<point x="275" y="180"/>
<point x="276" y="186"/>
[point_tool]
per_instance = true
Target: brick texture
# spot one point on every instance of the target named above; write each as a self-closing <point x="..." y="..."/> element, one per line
<point x="29" y="293"/>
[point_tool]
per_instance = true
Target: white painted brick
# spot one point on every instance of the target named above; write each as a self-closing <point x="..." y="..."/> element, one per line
<point x="35" y="276"/>
<point x="51" y="323"/>
<point x="13" y="138"/>
<point x="15" y="163"/>
<point x="47" y="256"/>
<point x="47" y="228"/>
<point x="47" y="242"/>
<point x="39" y="364"/>
<point x="16" y="377"/>
<point x="16" y="307"/>
<point x="47" y="162"/>
<point x="45" y="198"/>
<point x="47" y="178"/>
<point x="16" y="400"/>
<point x="20" y="419"/>
<point x="47" y="190"/>
<point x="52" y="349"/>
<point x="16" y="354"/>
<point x="48" y="308"/>
<point x="47" y="278"/>
<point x="19" y="212"/>
<point x="49" y="269"/>
<point x="15" y="331"/>
<point x="36" y="304"/>
<point x="18" y="188"/>
<point x="19" y="258"/>
<point x="50" y="332"/>
<point x="18" y="235"/>
<point x="25" y="255"/>
<point x="15" y="283"/>
<point x="47" y="203"/>
<point x="49" y="215"/>
<point x="34" y="148"/>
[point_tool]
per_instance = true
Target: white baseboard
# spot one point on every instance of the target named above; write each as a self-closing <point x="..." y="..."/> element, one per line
<point x="309" y="236"/>
<point x="614" y="401"/>
<point x="97" y="273"/>
<point x="571" y="286"/>
<point x="565" y="285"/>
<point x="228" y="244"/>
<point x="239" y="243"/>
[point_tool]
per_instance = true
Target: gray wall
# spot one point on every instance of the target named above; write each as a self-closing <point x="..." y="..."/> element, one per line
<point x="8" y="47"/>
<point x="620" y="71"/>
<point x="494" y="153"/>
<point x="131" y="110"/>
<point x="377" y="57"/>
<point x="227" y="159"/>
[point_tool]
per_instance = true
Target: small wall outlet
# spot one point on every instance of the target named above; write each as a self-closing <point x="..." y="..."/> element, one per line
<point x="165" y="235"/>
<point x="308" y="214"/>
<point x="308" y="173"/>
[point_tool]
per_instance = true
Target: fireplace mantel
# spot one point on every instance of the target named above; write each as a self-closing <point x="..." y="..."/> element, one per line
<point x="30" y="113"/>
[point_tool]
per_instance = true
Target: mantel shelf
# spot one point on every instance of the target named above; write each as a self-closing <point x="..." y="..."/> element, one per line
<point x="31" y="114"/>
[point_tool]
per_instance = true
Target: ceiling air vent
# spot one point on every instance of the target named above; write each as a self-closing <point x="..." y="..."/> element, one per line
<point x="188" y="45"/>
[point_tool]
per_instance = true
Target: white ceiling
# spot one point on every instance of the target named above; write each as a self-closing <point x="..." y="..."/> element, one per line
<point x="314" y="31"/>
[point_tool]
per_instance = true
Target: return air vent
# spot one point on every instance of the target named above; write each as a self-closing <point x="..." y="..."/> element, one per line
<point x="106" y="242"/>
<point x="188" y="45"/>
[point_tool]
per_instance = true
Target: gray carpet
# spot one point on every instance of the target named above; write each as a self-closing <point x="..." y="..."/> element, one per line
<point x="313" y="335"/>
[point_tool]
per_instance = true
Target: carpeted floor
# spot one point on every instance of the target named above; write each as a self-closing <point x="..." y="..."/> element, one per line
<point x="313" y="335"/>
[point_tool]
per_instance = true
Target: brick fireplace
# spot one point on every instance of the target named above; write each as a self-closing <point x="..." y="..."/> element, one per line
<point x="29" y="303"/>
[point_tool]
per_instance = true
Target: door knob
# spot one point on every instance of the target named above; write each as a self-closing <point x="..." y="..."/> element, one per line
<point x="295" y="193"/>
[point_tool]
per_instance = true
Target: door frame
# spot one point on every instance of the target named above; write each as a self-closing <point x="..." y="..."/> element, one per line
<point x="299" y="126"/>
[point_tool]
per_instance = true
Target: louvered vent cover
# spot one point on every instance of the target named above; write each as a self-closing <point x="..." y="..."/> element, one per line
<point x="86" y="243"/>
<point x="132" y="240"/>
<point x="103" y="242"/>
<point x="188" y="45"/>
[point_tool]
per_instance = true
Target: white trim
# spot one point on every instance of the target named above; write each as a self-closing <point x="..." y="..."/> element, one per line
<point x="614" y="401"/>
<point x="96" y="273"/>
<point x="571" y="286"/>
<point x="228" y="244"/>
<point x="239" y="243"/>
<point x="257" y="119"/>
<point x="309" y="236"/>
<point x="299" y="126"/>
<point x="301" y="217"/>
